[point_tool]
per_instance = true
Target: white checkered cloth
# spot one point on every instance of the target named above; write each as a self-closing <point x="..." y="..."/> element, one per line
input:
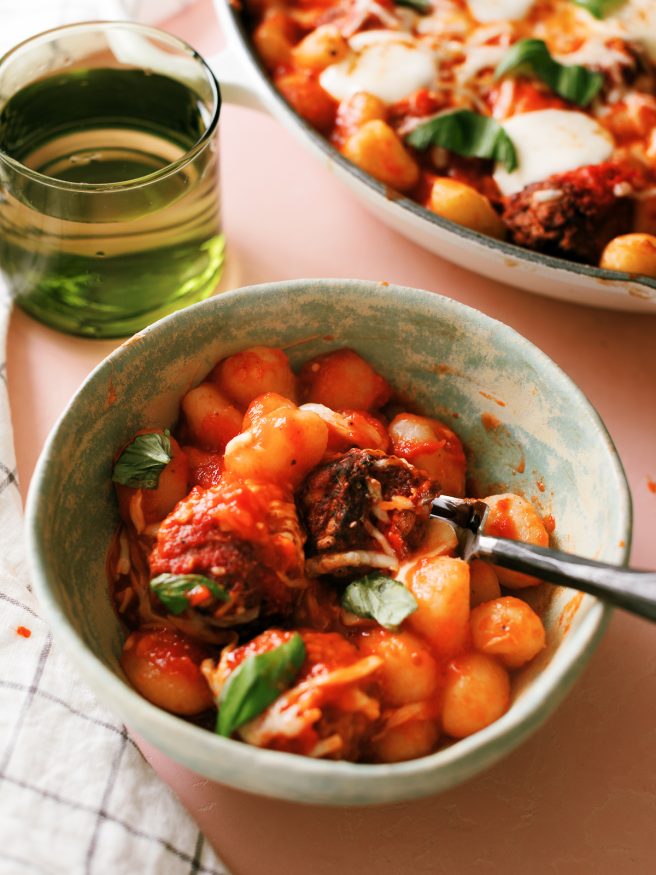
<point x="76" y="795"/>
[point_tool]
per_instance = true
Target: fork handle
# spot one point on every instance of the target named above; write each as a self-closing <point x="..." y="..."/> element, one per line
<point x="634" y="591"/>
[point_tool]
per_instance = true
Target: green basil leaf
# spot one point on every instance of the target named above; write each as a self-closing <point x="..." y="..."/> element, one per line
<point x="172" y="590"/>
<point x="379" y="598"/>
<point x="421" y="6"/>
<point x="143" y="460"/>
<point x="574" y="83"/>
<point x="599" y="8"/>
<point x="257" y="682"/>
<point x="466" y="133"/>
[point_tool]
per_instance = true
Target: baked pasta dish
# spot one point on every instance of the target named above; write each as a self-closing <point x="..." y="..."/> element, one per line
<point x="532" y="121"/>
<point x="281" y="581"/>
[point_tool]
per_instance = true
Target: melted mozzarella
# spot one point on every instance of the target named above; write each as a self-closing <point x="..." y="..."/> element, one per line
<point x="551" y="141"/>
<point x="388" y="64"/>
<point x="493" y="10"/>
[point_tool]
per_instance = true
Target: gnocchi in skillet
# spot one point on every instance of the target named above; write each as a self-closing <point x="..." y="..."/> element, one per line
<point x="532" y="121"/>
<point x="280" y="579"/>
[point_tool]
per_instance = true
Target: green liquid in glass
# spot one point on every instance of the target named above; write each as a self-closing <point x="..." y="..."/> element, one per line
<point x="106" y="262"/>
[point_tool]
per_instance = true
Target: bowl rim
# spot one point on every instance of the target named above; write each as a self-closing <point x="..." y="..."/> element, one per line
<point x="335" y="783"/>
<point x="405" y="204"/>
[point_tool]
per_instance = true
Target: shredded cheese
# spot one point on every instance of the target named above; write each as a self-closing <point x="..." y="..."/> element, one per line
<point x="123" y="563"/>
<point x="361" y="10"/>
<point x="477" y="59"/>
<point x="379" y="537"/>
<point x="136" y="512"/>
<point x="334" y="562"/>
<point x="547" y="195"/>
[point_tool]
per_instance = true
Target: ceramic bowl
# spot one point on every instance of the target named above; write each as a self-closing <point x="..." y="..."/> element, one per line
<point x="547" y="443"/>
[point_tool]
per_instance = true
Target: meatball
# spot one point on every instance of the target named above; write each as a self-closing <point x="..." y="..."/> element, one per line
<point x="573" y="214"/>
<point x="243" y="535"/>
<point x="330" y="709"/>
<point x="365" y="509"/>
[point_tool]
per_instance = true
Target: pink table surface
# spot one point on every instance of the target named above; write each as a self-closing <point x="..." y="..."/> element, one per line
<point x="580" y="795"/>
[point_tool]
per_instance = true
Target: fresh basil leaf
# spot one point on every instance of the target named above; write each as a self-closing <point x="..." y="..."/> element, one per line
<point x="422" y="6"/>
<point x="466" y="133"/>
<point x="172" y="590"/>
<point x="599" y="8"/>
<point x="143" y="460"/>
<point x="379" y="598"/>
<point x="257" y="682"/>
<point x="571" y="81"/>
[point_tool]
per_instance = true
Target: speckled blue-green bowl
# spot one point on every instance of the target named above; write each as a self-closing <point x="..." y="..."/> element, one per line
<point x="529" y="430"/>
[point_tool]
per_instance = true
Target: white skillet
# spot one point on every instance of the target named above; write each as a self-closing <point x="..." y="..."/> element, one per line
<point x="244" y="81"/>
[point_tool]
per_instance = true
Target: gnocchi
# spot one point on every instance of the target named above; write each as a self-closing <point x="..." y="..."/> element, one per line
<point x="431" y="445"/>
<point x="165" y="668"/>
<point x="511" y="516"/>
<point x="249" y="374"/>
<point x="476" y="693"/>
<point x="294" y="543"/>
<point x="631" y="253"/>
<point x="274" y="38"/>
<point x="376" y="148"/>
<point x="441" y="588"/>
<point x="509" y="629"/>
<point x="343" y="380"/>
<point x="281" y="446"/>
<point x="320" y="48"/>
<point x="356" y="111"/>
<point x="212" y="420"/>
<point x="408" y="672"/>
<point x="464" y="205"/>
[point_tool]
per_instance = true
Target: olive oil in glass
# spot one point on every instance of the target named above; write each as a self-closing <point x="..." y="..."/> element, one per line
<point x="109" y="204"/>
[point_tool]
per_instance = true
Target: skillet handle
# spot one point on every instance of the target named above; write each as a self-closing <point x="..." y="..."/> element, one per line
<point x="634" y="591"/>
<point x="237" y="86"/>
<point x="232" y="66"/>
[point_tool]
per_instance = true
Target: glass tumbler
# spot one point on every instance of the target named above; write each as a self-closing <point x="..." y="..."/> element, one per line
<point x="109" y="177"/>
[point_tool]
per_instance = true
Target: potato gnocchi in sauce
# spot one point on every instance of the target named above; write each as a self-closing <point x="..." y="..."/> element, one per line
<point x="281" y="580"/>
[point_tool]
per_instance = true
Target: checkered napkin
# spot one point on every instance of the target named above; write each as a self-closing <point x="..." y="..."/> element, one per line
<point x="76" y="795"/>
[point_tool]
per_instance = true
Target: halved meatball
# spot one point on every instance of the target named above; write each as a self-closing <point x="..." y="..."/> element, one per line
<point x="572" y="214"/>
<point x="365" y="509"/>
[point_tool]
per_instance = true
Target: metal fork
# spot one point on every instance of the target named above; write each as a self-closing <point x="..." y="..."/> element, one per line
<point x="625" y="588"/>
